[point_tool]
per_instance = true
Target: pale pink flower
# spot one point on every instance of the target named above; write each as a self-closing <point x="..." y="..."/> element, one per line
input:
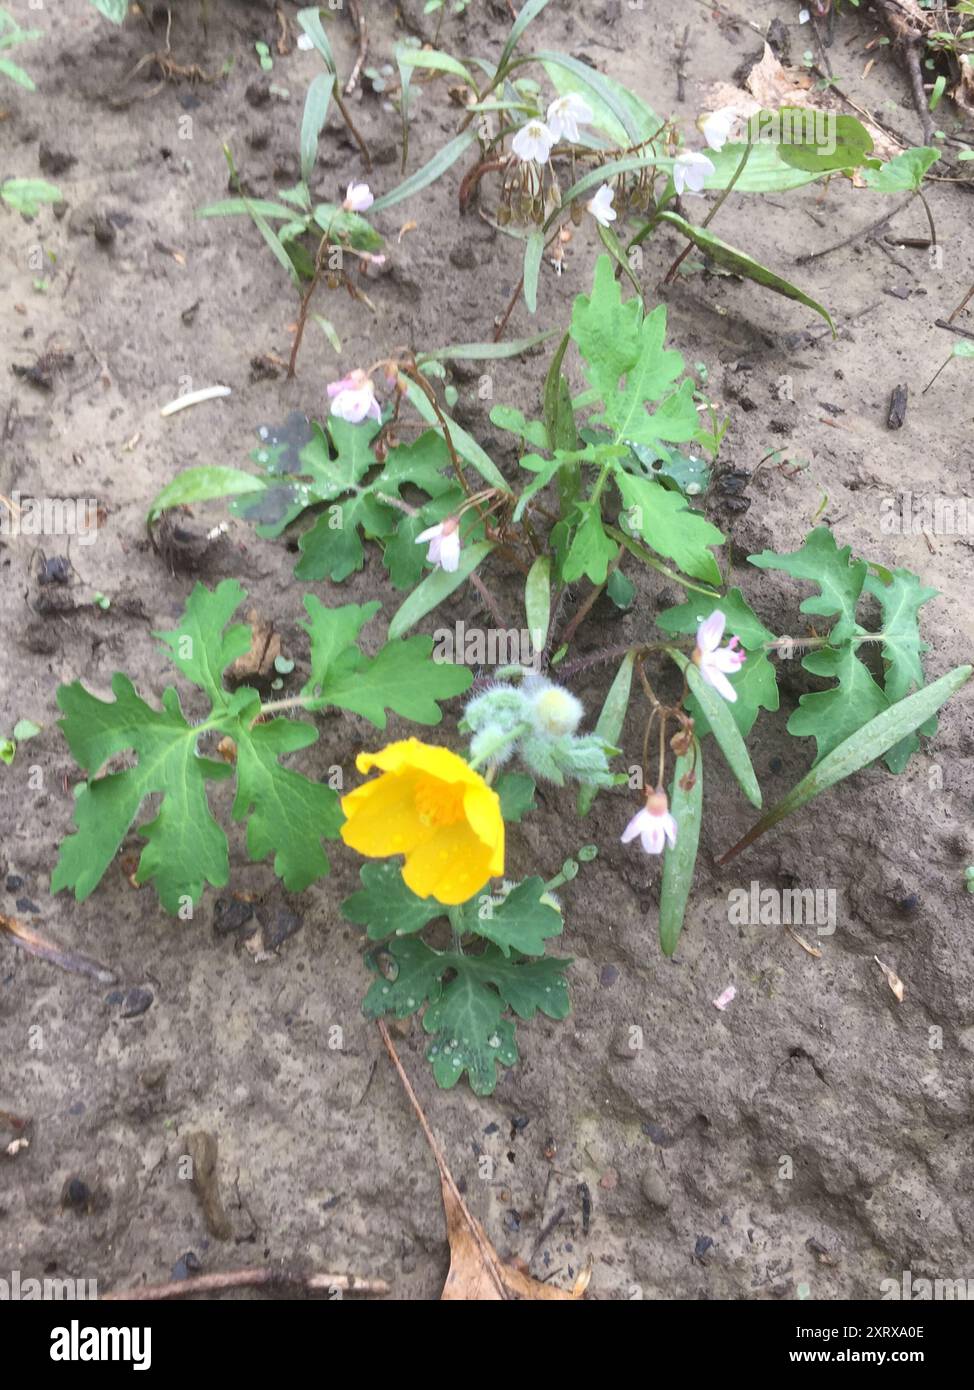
<point x="565" y="114"/>
<point x="444" y="543"/>
<point x="690" y="171"/>
<point x="358" y="197"/>
<point x="601" y="206"/>
<point x="653" y="824"/>
<point x="716" y="663"/>
<point x="533" y="141"/>
<point x="726" y="997"/>
<point x="353" y="398"/>
<point x="716" y="126"/>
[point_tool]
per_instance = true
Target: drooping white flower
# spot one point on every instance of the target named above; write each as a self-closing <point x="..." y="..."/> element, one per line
<point x="691" y="170"/>
<point x="358" y="198"/>
<point x="716" y="126"/>
<point x="565" y="114"/>
<point x="600" y="206"/>
<point x="653" y="824"/>
<point x="353" y="398"/>
<point x="533" y="141"/>
<point x="713" y="664"/>
<point x="444" y="543"/>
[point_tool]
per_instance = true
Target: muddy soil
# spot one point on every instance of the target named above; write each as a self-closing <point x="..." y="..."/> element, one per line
<point x="812" y="1139"/>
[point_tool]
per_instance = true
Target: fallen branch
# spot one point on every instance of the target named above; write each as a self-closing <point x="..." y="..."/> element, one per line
<point x="247" y="1279"/>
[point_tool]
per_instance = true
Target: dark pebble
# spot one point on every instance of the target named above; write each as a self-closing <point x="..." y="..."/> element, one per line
<point x="25" y="905"/>
<point x="608" y="975"/>
<point x="658" y="1134"/>
<point x="519" y="1123"/>
<point x="76" y="1194"/>
<point x="56" y="570"/>
<point x="702" y="1246"/>
<point x="491" y="1128"/>
<point x="186" y="1266"/>
<point x="231" y="915"/>
<point x="285" y="924"/>
<point x="14" y="883"/>
<point x="136" y="1002"/>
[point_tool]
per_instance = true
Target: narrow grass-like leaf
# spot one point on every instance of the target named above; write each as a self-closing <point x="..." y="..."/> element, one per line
<point x="464" y="443"/>
<point x="611" y="720"/>
<point x="533" y="251"/>
<point x="310" y="21"/>
<point x="429" y="173"/>
<point x="722" y="726"/>
<point x="686" y="809"/>
<point x="740" y="263"/>
<point x="862" y="748"/>
<point x="236" y="207"/>
<point x="438" y="62"/>
<point x="313" y="121"/>
<point x="436" y="587"/>
<point x="529" y="12"/>
<point x="484" y="352"/>
<point x="203" y="485"/>
<point x="537" y="600"/>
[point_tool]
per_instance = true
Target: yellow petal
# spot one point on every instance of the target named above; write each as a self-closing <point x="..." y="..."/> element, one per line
<point x="482" y="808"/>
<point x="424" y="757"/>
<point x="450" y="866"/>
<point x="381" y="817"/>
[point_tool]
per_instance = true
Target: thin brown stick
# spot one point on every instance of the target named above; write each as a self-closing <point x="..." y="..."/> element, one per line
<point x="245" y="1279"/>
<point x="591" y="601"/>
<point x="446" y="1177"/>
<point x="864" y="233"/>
<point x="361" y="29"/>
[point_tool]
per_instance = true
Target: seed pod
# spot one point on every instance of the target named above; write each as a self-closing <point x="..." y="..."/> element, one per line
<point x="503" y="215"/>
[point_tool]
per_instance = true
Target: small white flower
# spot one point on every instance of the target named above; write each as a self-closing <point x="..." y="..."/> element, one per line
<point x="717" y="126"/>
<point x="713" y="664"/>
<point x="533" y="141"/>
<point x="305" y="43"/>
<point x="353" y="398"/>
<point x="653" y="824"/>
<point x="565" y="114"/>
<point x="444" y="544"/>
<point x="690" y="171"/>
<point x="358" y="198"/>
<point x="601" y="206"/>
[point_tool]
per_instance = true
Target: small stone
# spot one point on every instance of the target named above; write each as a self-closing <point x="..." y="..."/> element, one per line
<point x="137" y="1002"/>
<point x="230" y="915"/>
<point x="186" y="1266"/>
<point x="76" y="1195"/>
<point x="608" y="976"/>
<point x="609" y="1180"/>
<point x="654" y="1188"/>
<point x="703" y="1244"/>
<point x="14" y="883"/>
<point x="55" y="570"/>
<point x="658" y="1134"/>
<point x="25" y="905"/>
<point x="285" y="924"/>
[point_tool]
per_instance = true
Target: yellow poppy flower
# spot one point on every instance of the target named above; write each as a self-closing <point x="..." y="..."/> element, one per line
<point x="430" y="806"/>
